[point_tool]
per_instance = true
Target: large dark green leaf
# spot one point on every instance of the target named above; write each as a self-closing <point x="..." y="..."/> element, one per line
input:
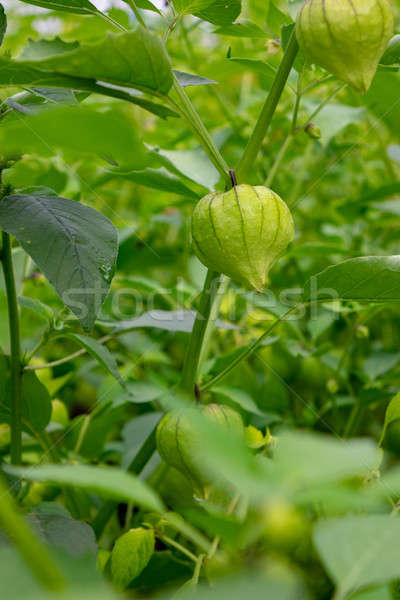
<point x="373" y="278"/>
<point x="135" y="59"/>
<point x="74" y="245"/>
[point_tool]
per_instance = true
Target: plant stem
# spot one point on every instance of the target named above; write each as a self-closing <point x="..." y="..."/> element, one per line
<point x="110" y="20"/>
<point x="15" y="349"/>
<point x="278" y="160"/>
<point x="197" y="126"/>
<point x="248" y="159"/>
<point x="352" y="420"/>
<point x="213" y="290"/>
<point x="326" y="101"/>
<point x="136" y="12"/>
<point x="249" y="350"/>
<point x="34" y="553"/>
<point x="188" y="111"/>
<point x="174" y="544"/>
<point x="290" y="137"/>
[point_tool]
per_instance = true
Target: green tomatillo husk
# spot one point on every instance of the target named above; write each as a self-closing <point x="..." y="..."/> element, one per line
<point x="346" y="37"/>
<point x="242" y="233"/>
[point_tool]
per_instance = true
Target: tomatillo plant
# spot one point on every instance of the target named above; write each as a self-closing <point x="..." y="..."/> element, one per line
<point x="199" y="299"/>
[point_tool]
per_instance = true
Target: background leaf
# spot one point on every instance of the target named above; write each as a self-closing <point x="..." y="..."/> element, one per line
<point x="359" y="551"/>
<point x="106" y="482"/>
<point x="373" y="278"/>
<point x="135" y="59"/>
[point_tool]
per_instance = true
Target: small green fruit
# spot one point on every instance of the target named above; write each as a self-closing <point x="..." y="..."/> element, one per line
<point x="181" y="446"/>
<point x="130" y="555"/>
<point x="346" y="37"/>
<point x="59" y="413"/>
<point x="362" y="332"/>
<point x="313" y="131"/>
<point x="242" y="233"/>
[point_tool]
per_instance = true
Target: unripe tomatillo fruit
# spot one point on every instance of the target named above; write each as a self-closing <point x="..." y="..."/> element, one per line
<point x="242" y="233"/>
<point x="182" y="446"/>
<point x="346" y="37"/>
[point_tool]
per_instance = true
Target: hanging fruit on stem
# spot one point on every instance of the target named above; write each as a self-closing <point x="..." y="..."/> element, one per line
<point x="242" y="233"/>
<point x="181" y="444"/>
<point x="346" y="37"/>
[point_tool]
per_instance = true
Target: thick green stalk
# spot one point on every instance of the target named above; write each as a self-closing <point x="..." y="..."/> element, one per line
<point x="246" y="164"/>
<point x="15" y="350"/>
<point x="34" y="553"/>
<point x="213" y="290"/>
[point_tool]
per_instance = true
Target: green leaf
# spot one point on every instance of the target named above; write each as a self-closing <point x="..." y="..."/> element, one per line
<point x="130" y="555"/>
<point x="379" y="363"/>
<point x="3" y="23"/>
<point x="187" y="79"/>
<point x="18" y="73"/>
<point x="193" y="164"/>
<point x="74" y="245"/>
<point x="83" y="7"/>
<point x="88" y="433"/>
<point x="221" y="12"/>
<point x="135" y="433"/>
<point x="359" y="551"/>
<point x="187" y="7"/>
<point x="391" y="55"/>
<point x="336" y="117"/>
<point x="40" y="49"/>
<point x="135" y="59"/>
<point x="305" y="458"/>
<point x="392" y="414"/>
<point x="106" y="482"/>
<point x="36" y="306"/>
<point x="169" y="320"/>
<point x="370" y="278"/>
<point x="146" y="5"/>
<point x="238" y="397"/>
<point x="266" y="72"/>
<point x="36" y="402"/>
<point x="78" y="129"/>
<point x="245" y="29"/>
<point x="100" y="353"/>
<point x="158" y="179"/>
<point x="60" y="531"/>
